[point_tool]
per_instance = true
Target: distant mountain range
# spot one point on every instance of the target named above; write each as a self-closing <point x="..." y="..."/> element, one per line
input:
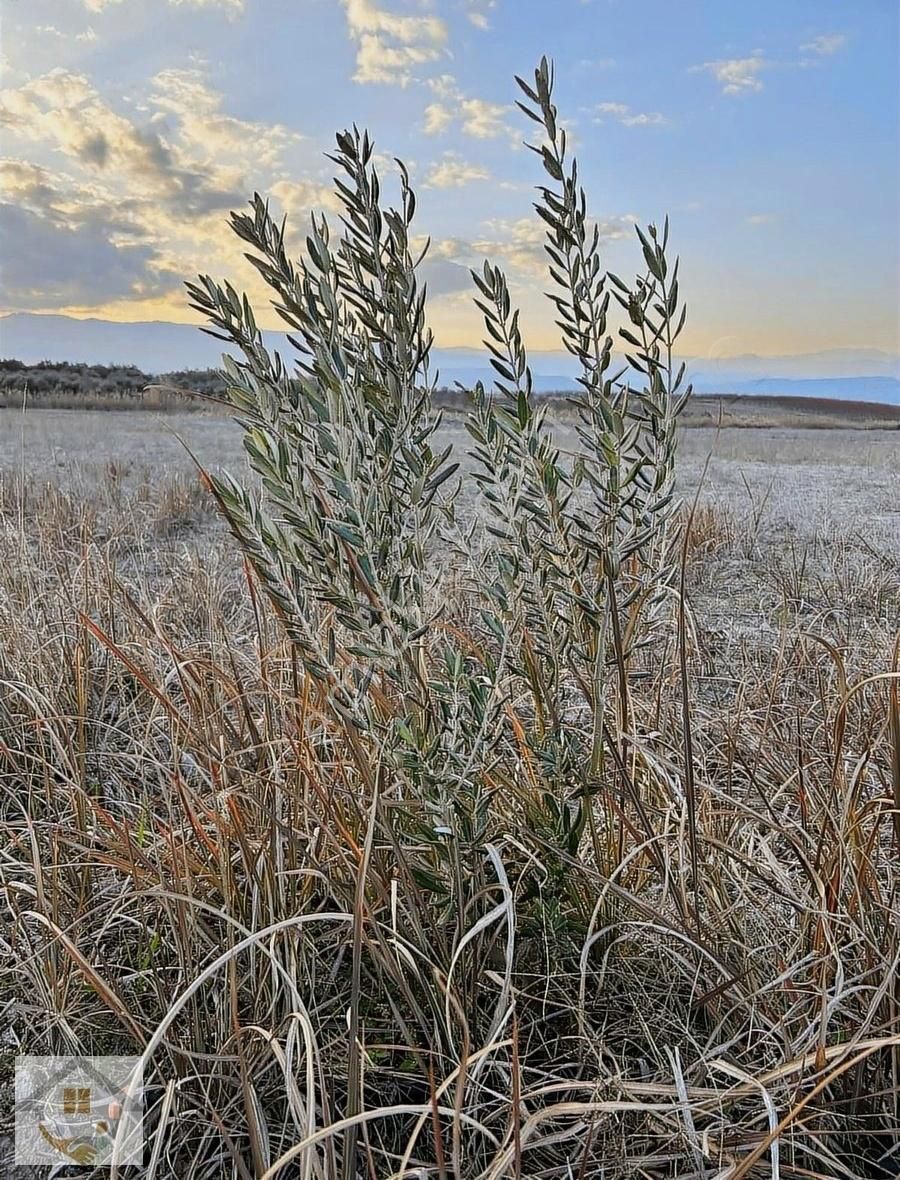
<point x="858" y="374"/>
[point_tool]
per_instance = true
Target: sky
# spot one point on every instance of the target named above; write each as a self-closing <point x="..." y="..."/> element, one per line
<point x="768" y="132"/>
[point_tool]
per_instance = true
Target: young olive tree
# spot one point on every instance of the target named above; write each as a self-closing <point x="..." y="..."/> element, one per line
<point x="355" y="492"/>
<point x="584" y="551"/>
<point x="459" y="717"/>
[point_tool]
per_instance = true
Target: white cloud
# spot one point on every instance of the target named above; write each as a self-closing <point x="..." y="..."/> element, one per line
<point x="626" y="116"/>
<point x="444" y="86"/>
<point x="518" y="244"/>
<point x="454" y="172"/>
<point x="65" y="112"/>
<point x="437" y="118"/>
<point x="233" y="7"/>
<point x="377" y="61"/>
<point x="762" y="219"/>
<point x="188" y="152"/>
<point x="389" y="44"/>
<point x="138" y="202"/>
<point x="87" y="34"/>
<point x="738" y="75"/>
<point x="364" y="16"/>
<point x="298" y="197"/>
<point x="741" y="75"/>
<point x="476" y="117"/>
<point x="483" y="119"/>
<point x="211" y="134"/>
<point x="477" y="12"/>
<point x="595" y="63"/>
<point x="825" y="45"/>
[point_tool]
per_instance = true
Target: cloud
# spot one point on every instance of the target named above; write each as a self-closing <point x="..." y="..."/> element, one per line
<point x="518" y="244"/>
<point x="476" y="117"/>
<point x="46" y="264"/>
<point x="69" y="242"/>
<point x="389" y="44"/>
<point x="71" y="204"/>
<point x="379" y="62"/>
<point x="741" y="75"/>
<point x="63" y="110"/>
<point x="595" y="63"/>
<point x="825" y="45"/>
<point x="444" y="277"/>
<point x="482" y="119"/>
<point x="626" y="116"/>
<point x="738" y="75"/>
<point x="454" y="172"/>
<point x="233" y="7"/>
<point x="188" y="154"/>
<point x="87" y="34"/>
<point x="139" y="201"/>
<point x="477" y="13"/>
<point x="762" y="219"/>
<point x="25" y="183"/>
<point x="297" y="198"/>
<point x="438" y="118"/>
<point x="364" y="16"/>
<point x="212" y="134"/>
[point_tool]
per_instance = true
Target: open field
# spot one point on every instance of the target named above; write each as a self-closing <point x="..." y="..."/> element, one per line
<point x="99" y="387"/>
<point x="182" y="790"/>
<point x="828" y="482"/>
<point x="777" y="412"/>
<point x="793" y="503"/>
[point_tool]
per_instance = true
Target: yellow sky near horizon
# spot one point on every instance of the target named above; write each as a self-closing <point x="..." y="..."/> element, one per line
<point x="131" y="128"/>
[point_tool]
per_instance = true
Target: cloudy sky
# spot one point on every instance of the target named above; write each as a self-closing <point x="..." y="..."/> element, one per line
<point x="768" y="131"/>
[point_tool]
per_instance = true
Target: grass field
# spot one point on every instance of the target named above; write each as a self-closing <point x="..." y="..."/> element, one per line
<point x="812" y="482"/>
<point x="160" y="799"/>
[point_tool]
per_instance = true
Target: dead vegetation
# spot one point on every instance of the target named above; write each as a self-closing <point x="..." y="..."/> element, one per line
<point x="171" y="790"/>
<point x="801" y="413"/>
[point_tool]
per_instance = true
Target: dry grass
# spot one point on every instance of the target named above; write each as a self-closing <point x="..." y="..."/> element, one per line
<point x="743" y="411"/>
<point x="808" y="413"/>
<point x="195" y="867"/>
<point x="154" y="398"/>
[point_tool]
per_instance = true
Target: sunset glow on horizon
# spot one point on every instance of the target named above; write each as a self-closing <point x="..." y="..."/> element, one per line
<point x="767" y="133"/>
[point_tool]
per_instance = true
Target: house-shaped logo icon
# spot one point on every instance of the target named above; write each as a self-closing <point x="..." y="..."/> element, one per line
<point x="85" y="1110"/>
